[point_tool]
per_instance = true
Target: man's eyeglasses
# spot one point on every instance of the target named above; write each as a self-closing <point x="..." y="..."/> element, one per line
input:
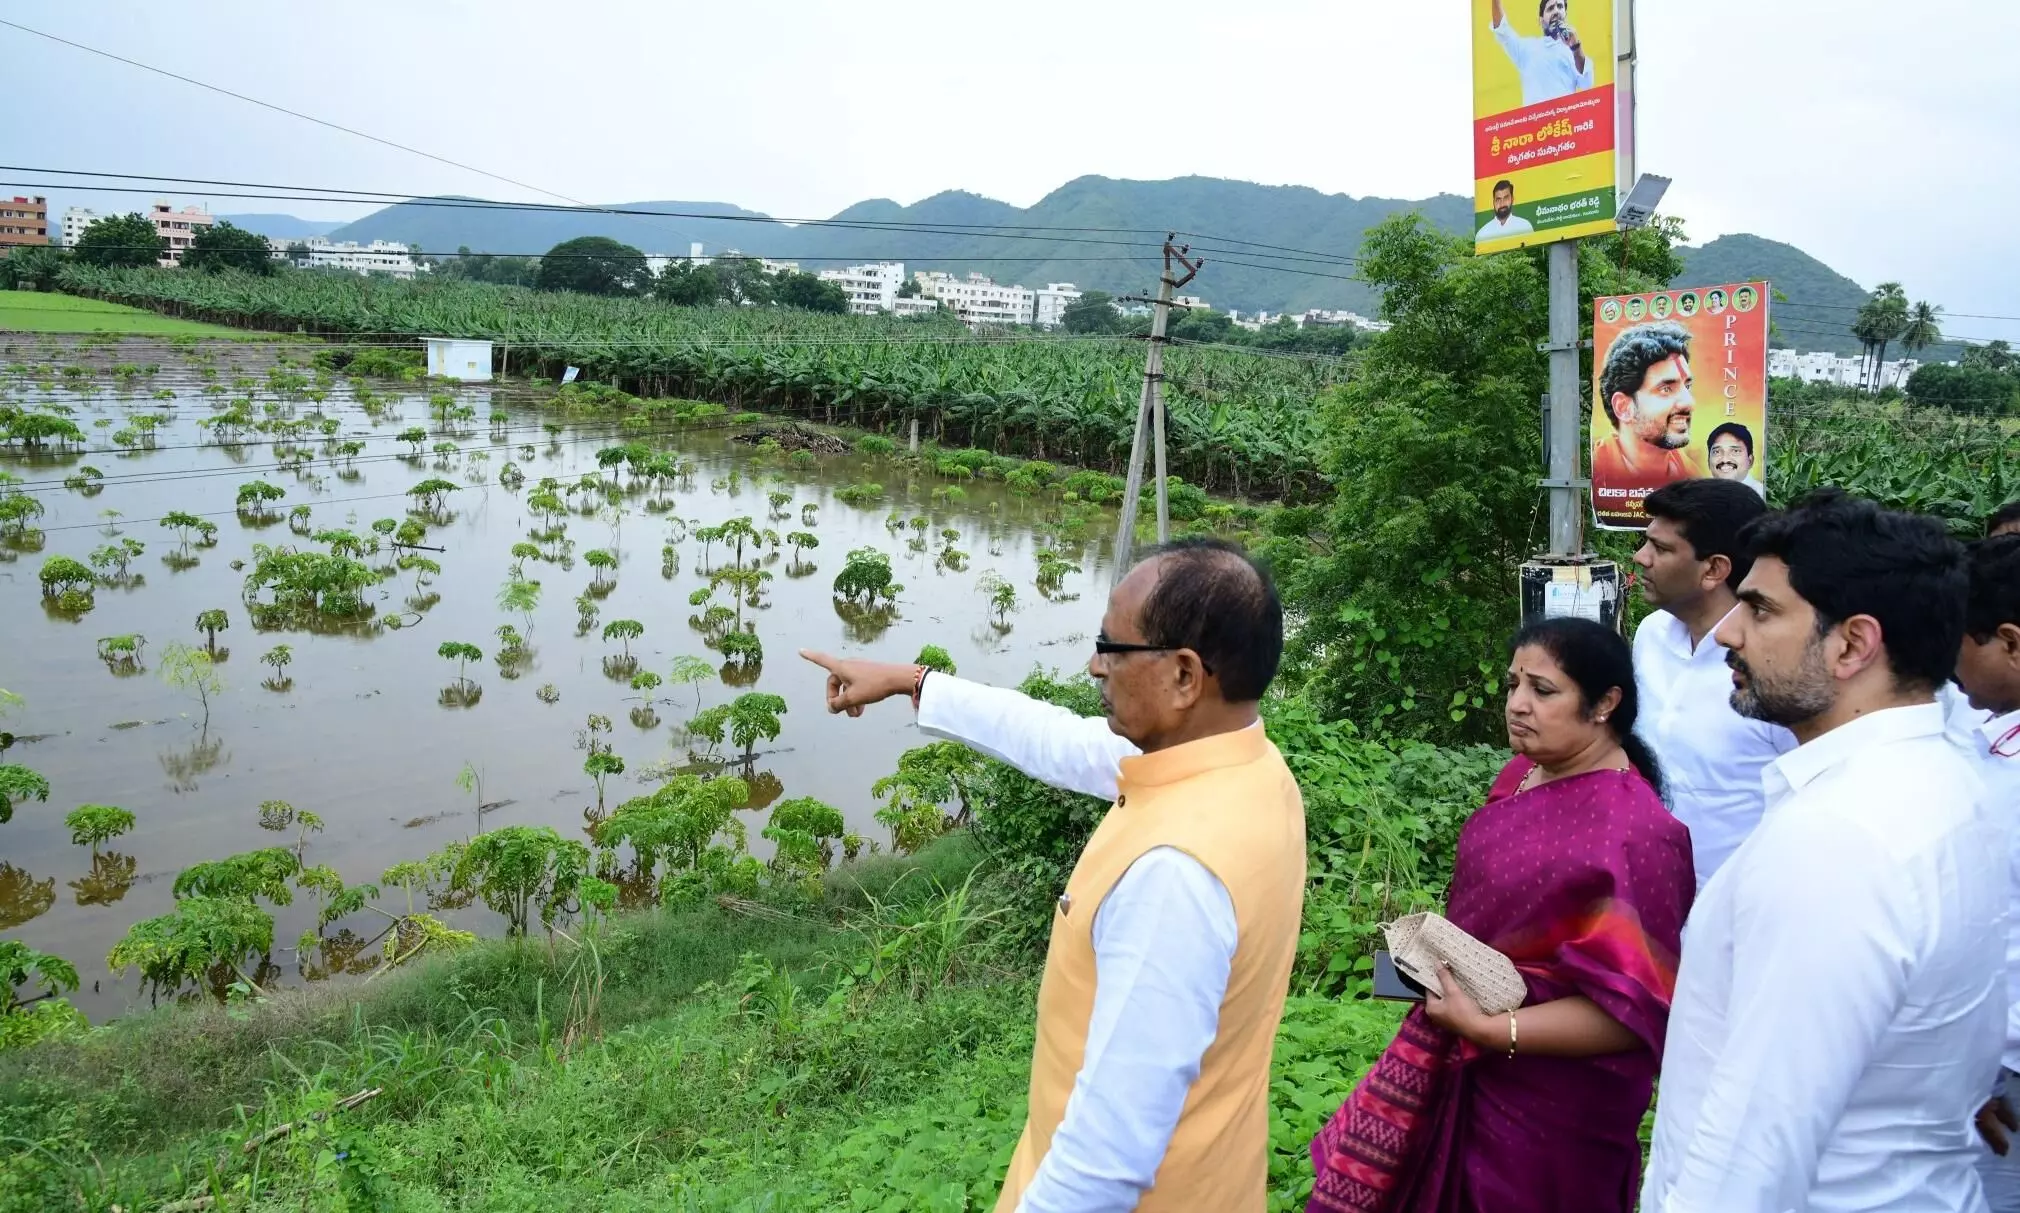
<point x="1108" y="648"/>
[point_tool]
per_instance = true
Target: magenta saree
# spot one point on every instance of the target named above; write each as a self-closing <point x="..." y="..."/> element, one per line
<point x="1584" y="883"/>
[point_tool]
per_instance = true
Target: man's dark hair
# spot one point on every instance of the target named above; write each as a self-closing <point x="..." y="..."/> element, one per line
<point x="1711" y="514"/>
<point x="2005" y="515"/>
<point x="1995" y="586"/>
<point x="1847" y="556"/>
<point x="1502" y="185"/>
<point x="1212" y="598"/>
<point x="1633" y="352"/>
<point x="1543" y="4"/>
<point x="1737" y="430"/>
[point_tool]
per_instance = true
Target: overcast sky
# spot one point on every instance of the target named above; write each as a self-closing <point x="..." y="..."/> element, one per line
<point x="1877" y="136"/>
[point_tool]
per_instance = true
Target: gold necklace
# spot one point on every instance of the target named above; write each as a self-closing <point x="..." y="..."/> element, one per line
<point x="1529" y="781"/>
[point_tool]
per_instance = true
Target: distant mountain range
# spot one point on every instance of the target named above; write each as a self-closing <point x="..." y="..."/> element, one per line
<point x="1241" y="273"/>
<point x="281" y="227"/>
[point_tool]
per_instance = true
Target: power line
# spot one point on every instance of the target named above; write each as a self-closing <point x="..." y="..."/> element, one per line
<point x="281" y="109"/>
<point x="397" y="197"/>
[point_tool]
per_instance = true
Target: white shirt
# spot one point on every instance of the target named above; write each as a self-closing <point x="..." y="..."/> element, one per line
<point x="1548" y="68"/>
<point x="1164" y="942"/>
<point x="1712" y="757"/>
<point x="1840" y="1005"/>
<point x="1993" y="745"/>
<point x="1494" y="229"/>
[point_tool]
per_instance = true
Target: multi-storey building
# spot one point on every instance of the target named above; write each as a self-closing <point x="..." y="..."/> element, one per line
<point x="1051" y="304"/>
<point x="871" y="288"/>
<point x="75" y="220"/>
<point x="378" y="257"/>
<point x="1840" y="370"/>
<point x="24" y="220"/>
<point x="179" y="228"/>
<point x="978" y="300"/>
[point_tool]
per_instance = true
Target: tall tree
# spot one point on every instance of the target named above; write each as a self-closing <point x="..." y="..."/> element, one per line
<point x="120" y="240"/>
<point x="593" y="265"/>
<point x="1925" y="327"/>
<point x="1991" y="356"/>
<point x="1407" y="579"/>
<point x="684" y="283"/>
<point x="225" y="246"/>
<point x="743" y="279"/>
<point x="809" y="293"/>
<point x="1091" y="313"/>
<point x="1880" y="321"/>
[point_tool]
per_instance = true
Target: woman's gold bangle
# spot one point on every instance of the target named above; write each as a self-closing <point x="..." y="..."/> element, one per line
<point x="1511" y="1036"/>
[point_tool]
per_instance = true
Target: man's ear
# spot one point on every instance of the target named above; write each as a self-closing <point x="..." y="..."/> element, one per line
<point x="1716" y="570"/>
<point x="1622" y="405"/>
<point x="2008" y="640"/>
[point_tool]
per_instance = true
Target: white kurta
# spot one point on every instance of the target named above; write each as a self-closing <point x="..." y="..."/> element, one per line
<point x="1164" y="942"/>
<point x="1842" y="996"/>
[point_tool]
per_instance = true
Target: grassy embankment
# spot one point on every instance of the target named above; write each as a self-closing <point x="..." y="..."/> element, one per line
<point x="869" y="1054"/>
<point x="47" y="312"/>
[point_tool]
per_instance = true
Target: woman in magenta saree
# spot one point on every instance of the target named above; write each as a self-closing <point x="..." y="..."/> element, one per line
<point x="1576" y="872"/>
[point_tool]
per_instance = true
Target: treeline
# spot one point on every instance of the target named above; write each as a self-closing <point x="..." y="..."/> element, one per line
<point x="598" y="265"/>
<point x="1095" y="312"/>
<point x="130" y="241"/>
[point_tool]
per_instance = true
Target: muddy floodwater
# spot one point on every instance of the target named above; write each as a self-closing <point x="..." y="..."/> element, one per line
<point x="367" y="726"/>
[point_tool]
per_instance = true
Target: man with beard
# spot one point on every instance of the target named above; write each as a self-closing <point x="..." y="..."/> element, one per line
<point x="1644" y="388"/>
<point x="1551" y="66"/>
<point x="1505" y="222"/>
<point x="1171" y="949"/>
<point x="1690" y="566"/>
<point x="1841" y="1000"/>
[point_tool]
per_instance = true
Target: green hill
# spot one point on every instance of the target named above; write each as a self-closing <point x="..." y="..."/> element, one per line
<point x="1820" y="302"/>
<point x="1241" y="273"/>
<point x="1238" y="276"/>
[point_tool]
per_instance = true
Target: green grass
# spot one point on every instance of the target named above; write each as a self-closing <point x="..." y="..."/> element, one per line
<point x="44" y="312"/>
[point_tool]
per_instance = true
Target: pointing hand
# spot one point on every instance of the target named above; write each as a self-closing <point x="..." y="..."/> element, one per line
<point x="854" y="685"/>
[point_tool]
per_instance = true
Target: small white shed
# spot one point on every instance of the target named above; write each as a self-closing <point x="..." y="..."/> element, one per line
<point x="459" y="358"/>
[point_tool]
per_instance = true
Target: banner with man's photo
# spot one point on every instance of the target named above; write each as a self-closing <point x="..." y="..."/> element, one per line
<point x="1544" y="122"/>
<point x="1679" y="392"/>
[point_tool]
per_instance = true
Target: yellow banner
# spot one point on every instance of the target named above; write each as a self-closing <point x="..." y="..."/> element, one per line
<point x="1545" y="122"/>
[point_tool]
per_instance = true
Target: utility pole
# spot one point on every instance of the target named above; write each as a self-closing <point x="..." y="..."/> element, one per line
<point x="1567" y="491"/>
<point x="1150" y="412"/>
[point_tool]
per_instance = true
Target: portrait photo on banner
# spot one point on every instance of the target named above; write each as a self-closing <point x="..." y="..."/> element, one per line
<point x="1679" y="392"/>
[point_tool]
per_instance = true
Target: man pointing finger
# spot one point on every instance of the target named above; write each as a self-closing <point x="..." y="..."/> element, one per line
<point x="1172" y="945"/>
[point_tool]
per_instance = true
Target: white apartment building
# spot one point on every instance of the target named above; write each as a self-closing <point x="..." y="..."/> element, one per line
<point x="1052" y="302"/>
<point x="378" y="257"/>
<point x="1840" y="370"/>
<point x="75" y="220"/>
<point x="871" y="288"/>
<point x="978" y="300"/>
<point x="910" y="306"/>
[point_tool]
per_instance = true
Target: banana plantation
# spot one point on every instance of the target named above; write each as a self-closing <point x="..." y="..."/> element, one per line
<point x="1240" y="422"/>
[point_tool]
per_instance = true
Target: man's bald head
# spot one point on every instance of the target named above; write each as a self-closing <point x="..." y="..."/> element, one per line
<point x="1209" y="597"/>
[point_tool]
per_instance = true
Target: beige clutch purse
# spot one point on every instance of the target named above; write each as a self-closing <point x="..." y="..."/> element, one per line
<point x="1422" y="944"/>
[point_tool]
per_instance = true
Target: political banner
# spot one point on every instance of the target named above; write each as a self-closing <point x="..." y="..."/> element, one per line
<point x="1679" y="392"/>
<point x="1544" y="122"/>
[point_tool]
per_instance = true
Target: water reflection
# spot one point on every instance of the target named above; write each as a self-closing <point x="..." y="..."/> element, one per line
<point x="200" y="757"/>
<point x="22" y="897"/>
<point x="343" y="953"/>
<point x="110" y="876"/>
<point x="464" y="694"/>
<point x="866" y="624"/>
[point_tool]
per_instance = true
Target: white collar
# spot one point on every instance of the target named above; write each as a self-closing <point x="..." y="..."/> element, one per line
<point x="1808" y="762"/>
